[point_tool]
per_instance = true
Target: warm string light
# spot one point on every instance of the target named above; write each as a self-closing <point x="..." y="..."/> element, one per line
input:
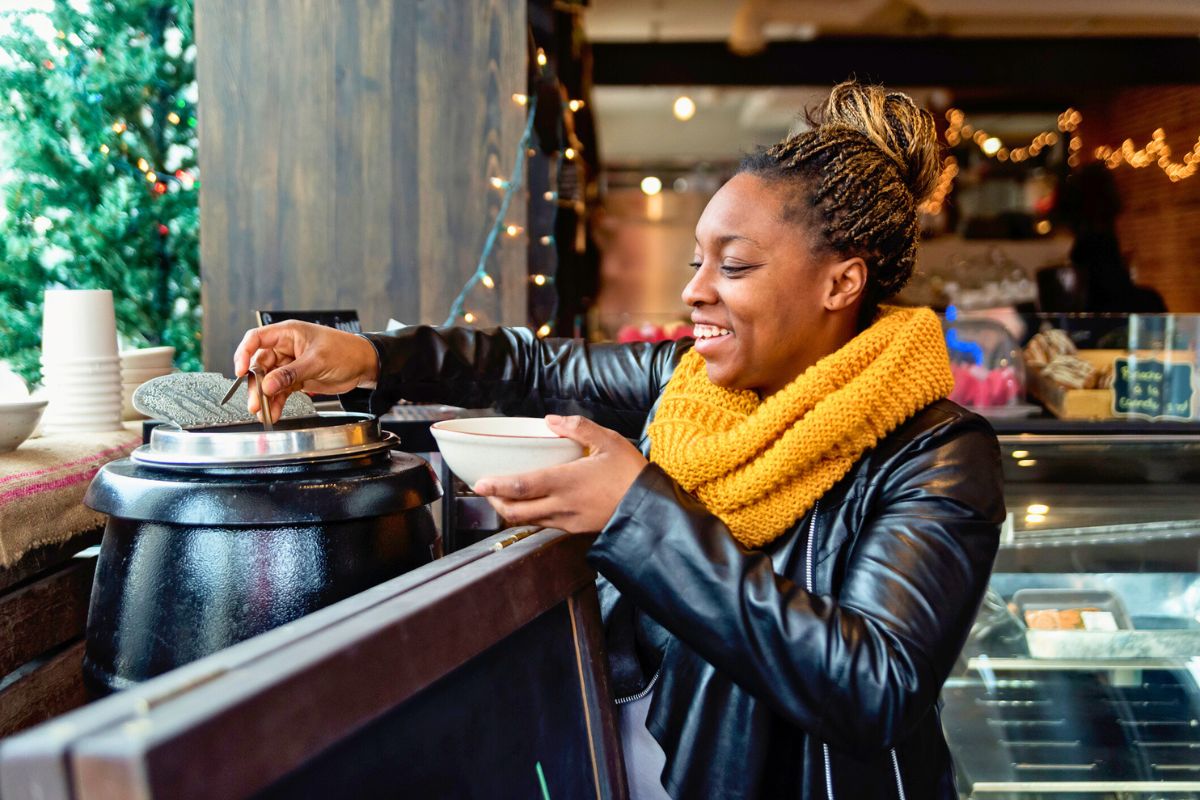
<point x="510" y="187"/>
<point x="1156" y="151"/>
<point x="480" y="275"/>
<point x="941" y="191"/>
<point x="991" y="146"/>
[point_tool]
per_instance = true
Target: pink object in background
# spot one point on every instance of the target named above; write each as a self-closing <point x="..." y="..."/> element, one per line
<point x="649" y="332"/>
<point x="979" y="387"/>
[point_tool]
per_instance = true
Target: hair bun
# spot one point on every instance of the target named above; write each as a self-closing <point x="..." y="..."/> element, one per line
<point x="894" y="124"/>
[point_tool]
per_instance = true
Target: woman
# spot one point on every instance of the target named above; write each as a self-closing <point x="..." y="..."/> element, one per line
<point x="787" y="581"/>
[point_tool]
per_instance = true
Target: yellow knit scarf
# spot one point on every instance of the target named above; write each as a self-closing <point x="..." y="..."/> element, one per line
<point x="759" y="465"/>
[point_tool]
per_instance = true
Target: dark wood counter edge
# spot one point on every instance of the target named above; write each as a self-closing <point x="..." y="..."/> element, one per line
<point x="44" y="613"/>
<point x="601" y="716"/>
<point x="223" y="738"/>
<point x="33" y="764"/>
<point x="47" y="557"/>
<point x="43" y="688"/>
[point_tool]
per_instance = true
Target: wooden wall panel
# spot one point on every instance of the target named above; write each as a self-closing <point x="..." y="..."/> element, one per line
<point x="345" y="152"/>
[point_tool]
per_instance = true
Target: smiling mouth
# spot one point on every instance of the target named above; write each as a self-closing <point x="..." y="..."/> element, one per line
<point x="710" y="332"/>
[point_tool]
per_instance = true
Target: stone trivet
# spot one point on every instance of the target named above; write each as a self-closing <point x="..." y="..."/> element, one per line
<point x="193" y="400"/>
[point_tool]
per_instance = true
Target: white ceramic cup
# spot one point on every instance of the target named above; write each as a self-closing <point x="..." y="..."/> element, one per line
<point x="78" y="324"/>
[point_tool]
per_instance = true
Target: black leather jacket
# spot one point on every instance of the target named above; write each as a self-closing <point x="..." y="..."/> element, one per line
<point x="811" y="665"/>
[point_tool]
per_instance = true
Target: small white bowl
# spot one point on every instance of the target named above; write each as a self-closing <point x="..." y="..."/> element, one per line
<point x="479" y="446"/>
<point x="148" y="357"/>
<point x="18" y="419"/>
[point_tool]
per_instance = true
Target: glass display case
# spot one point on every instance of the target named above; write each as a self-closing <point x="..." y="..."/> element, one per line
<point x="1080" y="676"/>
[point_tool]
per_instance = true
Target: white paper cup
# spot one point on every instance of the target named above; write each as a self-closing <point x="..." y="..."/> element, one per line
<point x="78" y="323"/>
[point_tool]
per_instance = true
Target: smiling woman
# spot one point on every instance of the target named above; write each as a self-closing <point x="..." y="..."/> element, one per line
<point x="793" y="554"/>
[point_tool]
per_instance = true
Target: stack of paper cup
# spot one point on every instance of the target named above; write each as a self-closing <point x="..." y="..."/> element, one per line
<point x="81" y="371"/>
<point x="139" y="366"/>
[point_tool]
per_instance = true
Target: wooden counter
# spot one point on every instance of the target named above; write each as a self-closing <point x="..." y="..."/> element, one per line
<point x="479" y="675"/>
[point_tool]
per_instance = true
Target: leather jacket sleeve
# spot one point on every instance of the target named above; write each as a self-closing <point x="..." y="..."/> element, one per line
<point x="514" y="370"/>
<point x="859" y="669"/>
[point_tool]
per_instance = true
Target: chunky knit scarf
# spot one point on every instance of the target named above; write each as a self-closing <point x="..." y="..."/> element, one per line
<point x="759" y="465"/>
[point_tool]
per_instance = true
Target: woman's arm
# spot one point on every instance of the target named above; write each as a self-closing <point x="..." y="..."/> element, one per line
<point x="520" y="373"/>
<point x="857" y="670"/>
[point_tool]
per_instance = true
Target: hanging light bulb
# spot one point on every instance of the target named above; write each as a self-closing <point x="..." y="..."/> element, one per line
<point x="539" y="280"/>
<point x="543" y="331"/>
<point x="651" y="185"/>
<point x="487" y="281"/>
<point x="684" y="108"/>
<point x="468" y="318"/>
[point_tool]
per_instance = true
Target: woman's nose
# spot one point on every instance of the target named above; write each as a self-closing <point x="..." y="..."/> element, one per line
<point x="699" y="290"/>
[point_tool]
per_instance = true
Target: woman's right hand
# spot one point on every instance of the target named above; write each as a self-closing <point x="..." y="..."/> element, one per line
<point x="302" y="356"/>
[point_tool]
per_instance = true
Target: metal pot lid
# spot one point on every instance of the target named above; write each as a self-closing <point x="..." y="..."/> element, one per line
<point x="324" y="437"/>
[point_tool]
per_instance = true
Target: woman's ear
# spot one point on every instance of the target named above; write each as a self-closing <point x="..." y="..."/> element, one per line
<point x="848" y="280"/>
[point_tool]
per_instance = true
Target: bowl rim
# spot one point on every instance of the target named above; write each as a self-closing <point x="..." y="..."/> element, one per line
<point x="439" y="426"/>
<point x="30" y="404"/>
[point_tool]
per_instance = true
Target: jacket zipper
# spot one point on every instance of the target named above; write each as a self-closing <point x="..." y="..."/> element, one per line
<point x="635" y="697"/>
<point x="808" y="580"/>
<point x="896" y="766"/>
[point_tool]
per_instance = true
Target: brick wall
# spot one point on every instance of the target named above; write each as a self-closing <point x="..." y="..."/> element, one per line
<point x="1160" y="225"/>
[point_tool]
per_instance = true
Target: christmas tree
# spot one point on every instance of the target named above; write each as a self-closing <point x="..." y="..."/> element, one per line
<point x="98" y="170"/>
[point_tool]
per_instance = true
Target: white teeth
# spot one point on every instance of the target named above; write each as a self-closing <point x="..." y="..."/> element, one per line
<point x="709" y="331"/>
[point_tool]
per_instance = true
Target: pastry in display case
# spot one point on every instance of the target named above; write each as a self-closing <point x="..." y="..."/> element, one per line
<point x="1081" y="676"/>
<point x="1144" y="366"/>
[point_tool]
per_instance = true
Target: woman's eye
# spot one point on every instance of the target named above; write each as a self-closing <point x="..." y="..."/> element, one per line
<point x="732" y="270"/>
<point x="694" y="264"/>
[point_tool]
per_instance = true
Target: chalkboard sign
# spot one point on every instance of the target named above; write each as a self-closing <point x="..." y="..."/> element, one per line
<point x="342" y="320"/>
<point x="1151" y="389"/>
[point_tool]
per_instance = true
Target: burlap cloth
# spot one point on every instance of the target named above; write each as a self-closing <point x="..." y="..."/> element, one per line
<point x="42" y="484"/>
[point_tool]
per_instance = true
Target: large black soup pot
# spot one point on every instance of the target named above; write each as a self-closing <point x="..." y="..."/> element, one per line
<point x="197" y="558"/>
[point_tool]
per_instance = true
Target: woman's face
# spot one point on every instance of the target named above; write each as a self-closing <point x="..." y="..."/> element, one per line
<point x="761" y="303"/>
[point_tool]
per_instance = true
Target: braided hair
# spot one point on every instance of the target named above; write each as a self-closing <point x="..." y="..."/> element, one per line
<point x="855" y="179"/>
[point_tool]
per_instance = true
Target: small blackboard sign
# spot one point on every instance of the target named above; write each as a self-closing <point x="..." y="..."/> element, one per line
<point x="342" y="320"/>
<point x="1151" y="389"/>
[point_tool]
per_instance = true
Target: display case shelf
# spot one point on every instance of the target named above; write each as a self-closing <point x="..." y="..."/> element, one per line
<point x="1113" y="521"/>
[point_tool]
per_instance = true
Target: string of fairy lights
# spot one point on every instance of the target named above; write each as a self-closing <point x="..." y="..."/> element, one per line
<point x="501" y="228"/>
<point x="960" y="131"/>
<point x="116" y="135"/>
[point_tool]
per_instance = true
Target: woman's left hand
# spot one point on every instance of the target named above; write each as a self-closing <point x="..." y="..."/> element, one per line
<point x="578" y="497"/>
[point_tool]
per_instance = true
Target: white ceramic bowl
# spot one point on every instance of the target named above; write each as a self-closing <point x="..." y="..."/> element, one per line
<point x="480" y="446"/>
<point x="147" y="358"/>
<point x="18" y="419"/>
